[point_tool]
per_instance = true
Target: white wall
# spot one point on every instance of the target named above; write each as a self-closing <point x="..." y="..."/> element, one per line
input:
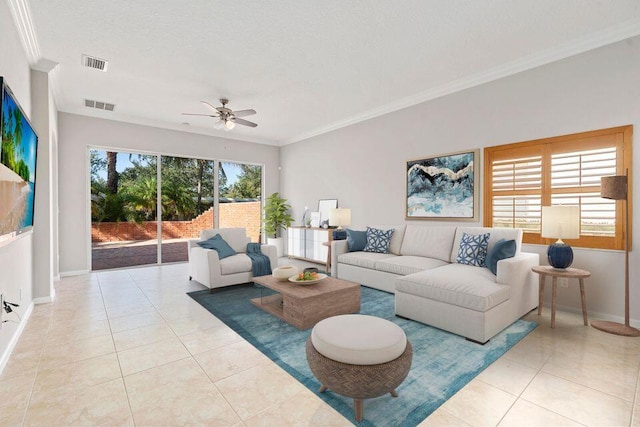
<point x="76" y="133"/>
<point x="16" y="260"/>
<point x="363" y="165"/>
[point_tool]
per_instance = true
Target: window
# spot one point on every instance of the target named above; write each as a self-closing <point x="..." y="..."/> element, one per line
<point x="521" y="178"/>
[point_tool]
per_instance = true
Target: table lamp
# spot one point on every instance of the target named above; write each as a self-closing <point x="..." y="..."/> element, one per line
<point x="560" y="222"/>
<point x="339" y="217"/>
<point x="615" y="187"/>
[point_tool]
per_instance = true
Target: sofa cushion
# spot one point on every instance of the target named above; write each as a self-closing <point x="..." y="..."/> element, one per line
<point x="363" y="259"/>
<point x="503" y="249"/>
<point x="378" y="240"/>
<point x="218" y="244"/>
<point x="495" y="235"/>
<point x="404" y="265"/>
<point x="465" y="286"/>
<point x="473" y="249"/>
<point x="396" y="238"/>
<point x="235" y="237"/>
<point x="356" y="240"/>
<point x="239" y="263"/>
<point x="431" y="242"/>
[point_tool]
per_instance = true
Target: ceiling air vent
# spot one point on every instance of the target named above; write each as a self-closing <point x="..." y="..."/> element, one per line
<point x="95" y="63"/>
<point x="99" y="105"/>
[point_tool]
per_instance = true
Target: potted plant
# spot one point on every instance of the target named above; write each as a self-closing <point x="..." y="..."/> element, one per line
<point x="276" y="218"/>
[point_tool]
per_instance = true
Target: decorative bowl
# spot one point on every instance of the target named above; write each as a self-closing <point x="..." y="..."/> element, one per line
<point x="294" y="279"/>
<point x="283" y="273"/>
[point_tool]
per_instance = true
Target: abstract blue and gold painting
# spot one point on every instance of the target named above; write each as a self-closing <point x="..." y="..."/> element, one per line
<point x="443" y="187"/>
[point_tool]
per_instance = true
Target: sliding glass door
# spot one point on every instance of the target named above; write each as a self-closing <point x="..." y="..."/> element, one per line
<point x="188" y="191"/>
<point x="123" y="209"/>
<point x="145" y="207"/>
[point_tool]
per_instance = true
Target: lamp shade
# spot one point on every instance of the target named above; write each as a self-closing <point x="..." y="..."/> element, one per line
<point x="613" y="187"/>
<point x="340" y="217"/>
<point x="561" y="222"/>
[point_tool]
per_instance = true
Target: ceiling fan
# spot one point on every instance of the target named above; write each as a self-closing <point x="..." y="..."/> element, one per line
<point x="227" y="118"/>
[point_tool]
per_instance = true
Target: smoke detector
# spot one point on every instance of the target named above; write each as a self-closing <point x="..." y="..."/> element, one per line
<point x="95" y="63"/>
<point x="99" y="105"/>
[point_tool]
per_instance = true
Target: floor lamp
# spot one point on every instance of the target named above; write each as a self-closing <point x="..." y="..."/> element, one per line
<point x="615" y="187"/>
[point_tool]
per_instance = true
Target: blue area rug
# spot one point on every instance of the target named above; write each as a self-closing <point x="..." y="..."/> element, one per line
<point x="443" y="363"/>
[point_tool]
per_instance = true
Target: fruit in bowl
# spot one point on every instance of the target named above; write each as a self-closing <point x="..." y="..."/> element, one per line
<point x="307" y="275"/>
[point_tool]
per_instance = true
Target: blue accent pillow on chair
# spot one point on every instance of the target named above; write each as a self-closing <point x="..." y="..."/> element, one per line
<point x="503" y="249"/>
<point x="356" y="240"/>
<point x="378" y="240"/>
<point x="473" y="249"/>
<point x="218" y="244"/>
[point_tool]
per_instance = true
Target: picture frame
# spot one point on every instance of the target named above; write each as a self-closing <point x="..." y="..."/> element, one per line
<point x="324" y="205"/>
<point x="443" y="187"/>
<point x="314" y="219"/>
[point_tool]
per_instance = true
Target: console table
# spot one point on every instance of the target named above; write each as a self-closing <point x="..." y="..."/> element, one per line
<point x="307" y="243"/>
<point x="569" y="273"/>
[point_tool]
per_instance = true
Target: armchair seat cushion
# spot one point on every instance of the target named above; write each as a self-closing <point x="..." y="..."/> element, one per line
<point x="239" y="263"/>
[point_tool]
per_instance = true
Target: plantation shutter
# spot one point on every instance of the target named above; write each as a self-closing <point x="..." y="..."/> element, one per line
<point x="521" y="178"/>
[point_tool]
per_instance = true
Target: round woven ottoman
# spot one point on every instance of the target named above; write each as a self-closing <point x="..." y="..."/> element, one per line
<point x="359" y="356"/>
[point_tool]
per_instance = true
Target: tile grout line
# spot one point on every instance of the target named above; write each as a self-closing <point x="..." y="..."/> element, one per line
<point x="124" y="384"/>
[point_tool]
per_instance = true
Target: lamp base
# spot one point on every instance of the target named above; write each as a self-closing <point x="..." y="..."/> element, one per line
<point x="615" y="328"/>
<point x="560" y="255"/>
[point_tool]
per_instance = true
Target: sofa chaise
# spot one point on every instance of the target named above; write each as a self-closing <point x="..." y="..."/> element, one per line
<point x="432" y="288"/>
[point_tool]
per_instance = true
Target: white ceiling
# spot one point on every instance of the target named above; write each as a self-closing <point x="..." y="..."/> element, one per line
<point x="308" y="66"/>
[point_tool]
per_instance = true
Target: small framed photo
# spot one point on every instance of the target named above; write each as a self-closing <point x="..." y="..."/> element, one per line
<point x="315" y="219"/>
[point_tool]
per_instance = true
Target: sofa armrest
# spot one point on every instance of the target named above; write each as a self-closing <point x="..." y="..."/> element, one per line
<point x="272" y="252"/>
<point x="338" y="247"/>
<point x="192" y="243"/>
<point x="517" y="270"/>
<point x="204" y="266"/>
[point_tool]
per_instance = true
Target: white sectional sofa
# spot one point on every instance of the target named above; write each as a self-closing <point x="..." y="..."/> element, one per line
<point x="207" y="268"/>
<point x="432" y="288"/>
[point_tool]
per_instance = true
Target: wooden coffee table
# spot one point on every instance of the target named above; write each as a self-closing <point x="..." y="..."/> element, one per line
<point x="305" y="305"/>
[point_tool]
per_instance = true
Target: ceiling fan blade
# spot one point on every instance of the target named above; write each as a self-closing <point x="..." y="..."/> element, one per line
<point x="244" y="122"/>
<point x="244" y="113"/>
<point x="198" y="114"/>
<point x="210" y="106"/>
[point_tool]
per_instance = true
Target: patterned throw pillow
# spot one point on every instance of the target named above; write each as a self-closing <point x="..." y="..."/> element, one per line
<point x="378" y="240"/>
<point x="473" y="249"/>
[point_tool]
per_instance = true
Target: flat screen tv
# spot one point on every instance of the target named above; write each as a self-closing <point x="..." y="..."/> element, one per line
<point x="17" y="165"/>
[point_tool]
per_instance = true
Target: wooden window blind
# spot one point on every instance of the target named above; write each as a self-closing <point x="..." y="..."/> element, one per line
<point x="521" y="178"/>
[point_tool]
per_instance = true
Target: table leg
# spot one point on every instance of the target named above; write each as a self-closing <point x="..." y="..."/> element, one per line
<point x="541" y="292"/>
<point x="584" y="302"/>
<point x="329" y="260"/>
<point x="553" y="301"/>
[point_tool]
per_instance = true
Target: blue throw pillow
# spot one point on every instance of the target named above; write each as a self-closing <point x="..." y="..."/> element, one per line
<point x="378" y="240"/>
<point x="218" y="244"/>
<point x="473" y="249"/>
<point x="501" y="250"/>
<point x="356" y="240"/>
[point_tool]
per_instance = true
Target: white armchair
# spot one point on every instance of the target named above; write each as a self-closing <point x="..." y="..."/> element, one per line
<point x="206" y="268"/>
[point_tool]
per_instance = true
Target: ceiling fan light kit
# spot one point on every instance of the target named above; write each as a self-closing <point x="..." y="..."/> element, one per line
<point x="227" y="118"/>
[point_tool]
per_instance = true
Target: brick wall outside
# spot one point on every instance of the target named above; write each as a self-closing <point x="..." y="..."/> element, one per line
<point x="246" y="214"/>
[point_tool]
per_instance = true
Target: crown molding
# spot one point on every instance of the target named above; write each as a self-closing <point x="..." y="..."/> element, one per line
<point x="625" y="30"/>
<point x="21" y="13"/>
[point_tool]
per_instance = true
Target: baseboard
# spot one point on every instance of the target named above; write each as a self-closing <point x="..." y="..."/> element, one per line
<point x="56" y="278"/>
<point x="73" y="273"/>
<point x="593" y="315"/>
<point x="16" y="336"/>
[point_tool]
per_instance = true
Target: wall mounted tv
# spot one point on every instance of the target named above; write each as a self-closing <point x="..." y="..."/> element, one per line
<point x="17" y="166"/>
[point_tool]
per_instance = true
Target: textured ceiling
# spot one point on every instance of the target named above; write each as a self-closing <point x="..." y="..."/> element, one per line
<point x="304" y="66"/>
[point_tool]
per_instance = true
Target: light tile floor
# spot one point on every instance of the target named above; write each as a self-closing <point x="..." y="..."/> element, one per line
<point x="129" y="347"/>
